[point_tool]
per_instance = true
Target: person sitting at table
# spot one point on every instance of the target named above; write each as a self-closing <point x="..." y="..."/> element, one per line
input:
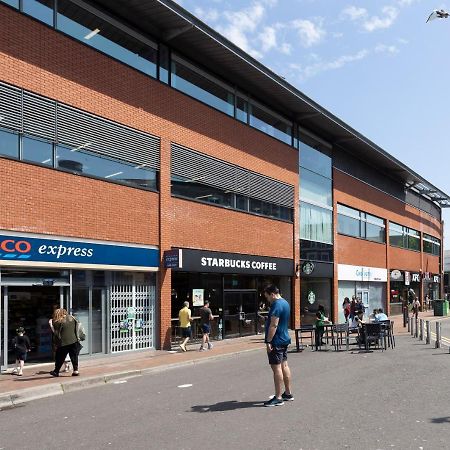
<point x="372" y="316"/>
<point x="380" y="315"/>
<point x="358" y="323"/>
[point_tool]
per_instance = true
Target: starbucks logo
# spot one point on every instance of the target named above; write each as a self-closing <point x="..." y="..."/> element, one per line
<point x="308" y="267"/>
<point x="311" y="297"/>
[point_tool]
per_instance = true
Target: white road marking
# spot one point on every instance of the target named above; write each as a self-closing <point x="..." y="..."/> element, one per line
<point x="184" y="385"/>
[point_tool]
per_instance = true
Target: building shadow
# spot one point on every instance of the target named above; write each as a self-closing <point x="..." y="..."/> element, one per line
<point x="226" y="406"/>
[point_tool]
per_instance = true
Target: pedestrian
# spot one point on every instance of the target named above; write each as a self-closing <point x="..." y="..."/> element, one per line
<point x="427" y="302"/>
<point x="22" y="346"/>
<point x="54" y="346"/>
<point x="352" y="308"/>
<point x="277" y="341"/>
<point x="205" y="321"/>
<point x="346" y="306"/>
<point x="68" y="334"/>
<point x="416" y="308"/>
<point x="184" y="316"/>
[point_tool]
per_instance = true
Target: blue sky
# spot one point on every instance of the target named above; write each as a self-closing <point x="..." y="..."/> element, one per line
<point x="374" y="64"/>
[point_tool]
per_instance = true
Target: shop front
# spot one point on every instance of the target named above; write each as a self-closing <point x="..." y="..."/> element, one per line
<point x="109" y="287"/>
<point x="404" y="287"/>
<point x="366" y="283"/>
<point x="315" y="289"/>
<point x="233" y="285"/>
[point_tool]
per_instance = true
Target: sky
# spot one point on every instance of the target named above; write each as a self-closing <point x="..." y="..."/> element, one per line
<point x="375" y="64"/>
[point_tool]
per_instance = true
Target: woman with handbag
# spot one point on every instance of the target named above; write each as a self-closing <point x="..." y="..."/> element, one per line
<point x="65" y="328"/>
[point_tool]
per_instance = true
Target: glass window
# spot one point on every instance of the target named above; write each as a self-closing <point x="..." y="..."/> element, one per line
<point x="40" y="9"/>
<point x="375" y="233"/>
<point x="187" y="80"/>
<point x="396" y="235"/>
<point x="82" y="161"/>
<point x="316" y="224"/>
<point x="241" y="109"/>
<point x="164" y="63"/>
<point x="270" y="124"/>
<point x="427" y="246"/>
<point x="316" y="251"/>
<point x="315" y="188"/>
<point x="103" y="36"/>
<point x="241" y="202"/>
<point x="9" y="143"/>
<point x="37" y="151"/>
<point x="315" y="160"/>
<point x="255" y="206"/>
<point x="413" y="240"/>
<point x="349" y="226"/>
<point x="345" y="210"/>
<point x="14" y="3"/>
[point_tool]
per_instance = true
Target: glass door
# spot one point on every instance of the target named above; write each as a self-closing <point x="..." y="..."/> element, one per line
<point x="239" y="316"/>
<point x="3" y="329"/>
<point x="365" y="297"/>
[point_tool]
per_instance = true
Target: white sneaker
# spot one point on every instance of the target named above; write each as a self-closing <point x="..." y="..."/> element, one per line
<point x="183" y="347"/>
<point x="210" y="346"/>
<point x="15" y="370"/>
<point x="201" y="349"/>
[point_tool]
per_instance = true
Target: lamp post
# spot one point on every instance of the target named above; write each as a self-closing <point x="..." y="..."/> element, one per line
<point x="438" y="14"/>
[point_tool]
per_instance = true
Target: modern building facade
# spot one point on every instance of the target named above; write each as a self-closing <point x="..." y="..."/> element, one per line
<point x="145" y="160"/>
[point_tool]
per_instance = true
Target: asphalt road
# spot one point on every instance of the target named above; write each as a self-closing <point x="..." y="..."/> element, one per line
<point x="398" y="399"/>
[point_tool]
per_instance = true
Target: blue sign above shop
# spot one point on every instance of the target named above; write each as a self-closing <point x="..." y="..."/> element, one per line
<point x="28" y="249"/>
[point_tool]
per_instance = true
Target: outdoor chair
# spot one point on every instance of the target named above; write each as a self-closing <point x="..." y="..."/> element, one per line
<point x="308" y="329"/>
<point x="340" y="332"/>
<point x="388" y="329"/>
<point x="374" y="334"/>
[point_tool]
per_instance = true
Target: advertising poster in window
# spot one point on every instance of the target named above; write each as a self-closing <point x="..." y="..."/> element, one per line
<point x="198" y="297"/>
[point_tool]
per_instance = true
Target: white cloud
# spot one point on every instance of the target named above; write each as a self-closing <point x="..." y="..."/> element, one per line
<point x="383" y="48"/>
<point x="354" y="13"/>
<point x="323" y="66"/>
<point x="286" y="48"/>
<point x="207" y="15"/>
<point x="268" y="38"/>
<point x="310" y="33"/>
<point x="376" y="23"/>
<point x="403" y="41"/>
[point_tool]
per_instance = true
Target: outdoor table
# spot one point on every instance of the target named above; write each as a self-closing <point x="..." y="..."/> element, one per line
<point x="309" y="329"/>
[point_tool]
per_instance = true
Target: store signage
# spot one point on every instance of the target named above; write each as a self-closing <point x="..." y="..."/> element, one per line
<point x="172" y="259"/>
<point x="415" y="278"/>
<point x="24" y="249"/>
<point x="361" y="273"/>
<point x="436" y="279"/>
<point x="407" y="278"/>
<point x="198" y="297"/>
<point x="218" y="262"/>
<point x="396" y="275"/>
<point x="308" y="267"/>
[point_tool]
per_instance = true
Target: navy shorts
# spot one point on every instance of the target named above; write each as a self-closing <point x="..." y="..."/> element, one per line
<point x="206" y="328"/>
<point x="186" y="332"/>
<point x="20" y="356"/>
<point x="278" y="355"/>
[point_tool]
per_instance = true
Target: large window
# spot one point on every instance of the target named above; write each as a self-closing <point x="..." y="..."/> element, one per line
<point x="104" y="36"/>
<point x="9" y="143"/>
<point x="186" y="78"/>
<point x="14" y="3"/>
<point x="404" y="237"/>
<point x="193" y="189"/>
<point x="40" y="9"/>
<point x="355" y="223"/>
<point x="315" y="161"/>
<point x="37" y="150"/>
<point x="431" y="245"/>
<point x="316" y="224"/>
<point x="315" y="188"/>
<point x="270" y="123"/>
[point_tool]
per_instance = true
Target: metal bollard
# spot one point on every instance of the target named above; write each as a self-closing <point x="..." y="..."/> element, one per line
<point x="412" y="325"/>
<point x="405" y="317"/>
<point x="438" y="335"/>
<point x="409" y="324"/>
<point x="421" y="329"/>
<point x="416" y="331"/>
<point x="428" y="328"/>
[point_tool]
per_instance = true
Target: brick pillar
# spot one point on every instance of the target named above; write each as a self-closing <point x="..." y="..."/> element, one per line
<point x="295" y="313"/>
<point x="389" y="268"/>
<point x="165" y="239"/>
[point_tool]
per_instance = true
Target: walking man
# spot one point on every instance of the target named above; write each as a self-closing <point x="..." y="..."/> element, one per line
<point x="205" y="320"/>
<point x="185" y="319"/>
<point x="277" y="340"/>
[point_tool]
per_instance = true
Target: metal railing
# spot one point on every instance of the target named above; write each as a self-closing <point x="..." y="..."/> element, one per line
<point x="422" y="329"/>
<point x="197" y="333"/>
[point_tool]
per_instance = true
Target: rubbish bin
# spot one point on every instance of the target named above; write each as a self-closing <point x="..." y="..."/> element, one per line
<point x="440" y="307"/>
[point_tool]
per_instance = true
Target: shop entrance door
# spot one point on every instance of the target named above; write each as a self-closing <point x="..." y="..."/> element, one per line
<point x="363" y="294"/>
<point x="239" y="313"/>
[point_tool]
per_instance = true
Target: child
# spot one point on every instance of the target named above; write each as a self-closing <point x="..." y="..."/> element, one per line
<point x="21" y="346"/>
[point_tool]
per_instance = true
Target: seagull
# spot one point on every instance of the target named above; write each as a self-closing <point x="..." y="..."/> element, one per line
<point x="438" y="14"/>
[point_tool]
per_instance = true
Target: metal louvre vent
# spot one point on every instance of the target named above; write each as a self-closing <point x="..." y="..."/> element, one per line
<point x="81" y="130"/>
<point x="39" y="116"/>
<point x="214" y="172"/>
<point x="10" y="107"/>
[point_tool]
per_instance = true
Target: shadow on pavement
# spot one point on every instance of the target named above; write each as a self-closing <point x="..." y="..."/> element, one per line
<point x="441" y="420"/>
<point x="225" y="406"/>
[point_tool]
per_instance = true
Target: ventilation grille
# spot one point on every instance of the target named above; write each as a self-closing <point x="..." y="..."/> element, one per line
<point x="214" y="172"/>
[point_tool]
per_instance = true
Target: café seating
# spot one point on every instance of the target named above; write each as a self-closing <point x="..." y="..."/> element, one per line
<point x="340" y="332"/>
<point x="373" y="334"/>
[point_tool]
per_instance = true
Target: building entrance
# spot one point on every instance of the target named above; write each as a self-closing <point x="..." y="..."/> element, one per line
<point x="240" y="318"/>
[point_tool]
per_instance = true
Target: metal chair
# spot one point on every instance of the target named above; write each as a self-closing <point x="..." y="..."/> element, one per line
<point x="374" y="334"/>
<point x="340" y="332"/>
<point x="388" y="328"/>
<point x="308" y="329"/>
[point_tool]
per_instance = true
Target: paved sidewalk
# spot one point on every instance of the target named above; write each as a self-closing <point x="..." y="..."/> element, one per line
<point x="37" y="383"/>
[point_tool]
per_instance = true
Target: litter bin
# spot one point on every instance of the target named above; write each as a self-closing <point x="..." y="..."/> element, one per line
<point x="441" y="308"/>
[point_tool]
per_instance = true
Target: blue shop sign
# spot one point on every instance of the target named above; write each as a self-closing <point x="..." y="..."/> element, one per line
<point x="23" y="248"/>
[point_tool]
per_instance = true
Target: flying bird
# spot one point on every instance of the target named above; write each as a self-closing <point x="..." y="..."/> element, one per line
<point x="438" y="14"/>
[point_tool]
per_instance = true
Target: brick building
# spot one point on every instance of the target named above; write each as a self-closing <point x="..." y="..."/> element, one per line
<point x="145" y="160"/>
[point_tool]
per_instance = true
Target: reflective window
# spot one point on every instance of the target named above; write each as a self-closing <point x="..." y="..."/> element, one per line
<point x="84" y="162"/>
<point x="349" y="226"/>
<point x="315" y="160"/>
<point x="40" y="9"/>
<point x="14" y="3"/>
<point x="270" y="124"/>
<point x="315" y="188"/>
<point x="241" y="202"/>
<point x="9" y="143"/>
<point x="316" y="251"/>
<point x="396" y="235"/>
<point x="355" y="223"/>
<point x="413" y="240"/>
<point x="103" y="36"/>
<point x="241" y="109"/>
<point x="37" y="150"/>
<point x="404" y="237"/>
<point x="431" y="245"/>
<point x="316" y="224"/>
<point x="164" y="63"/>
<point x="187" y="80"/>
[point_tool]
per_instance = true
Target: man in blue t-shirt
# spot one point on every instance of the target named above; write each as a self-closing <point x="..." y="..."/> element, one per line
<point x="277" y="340"/>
